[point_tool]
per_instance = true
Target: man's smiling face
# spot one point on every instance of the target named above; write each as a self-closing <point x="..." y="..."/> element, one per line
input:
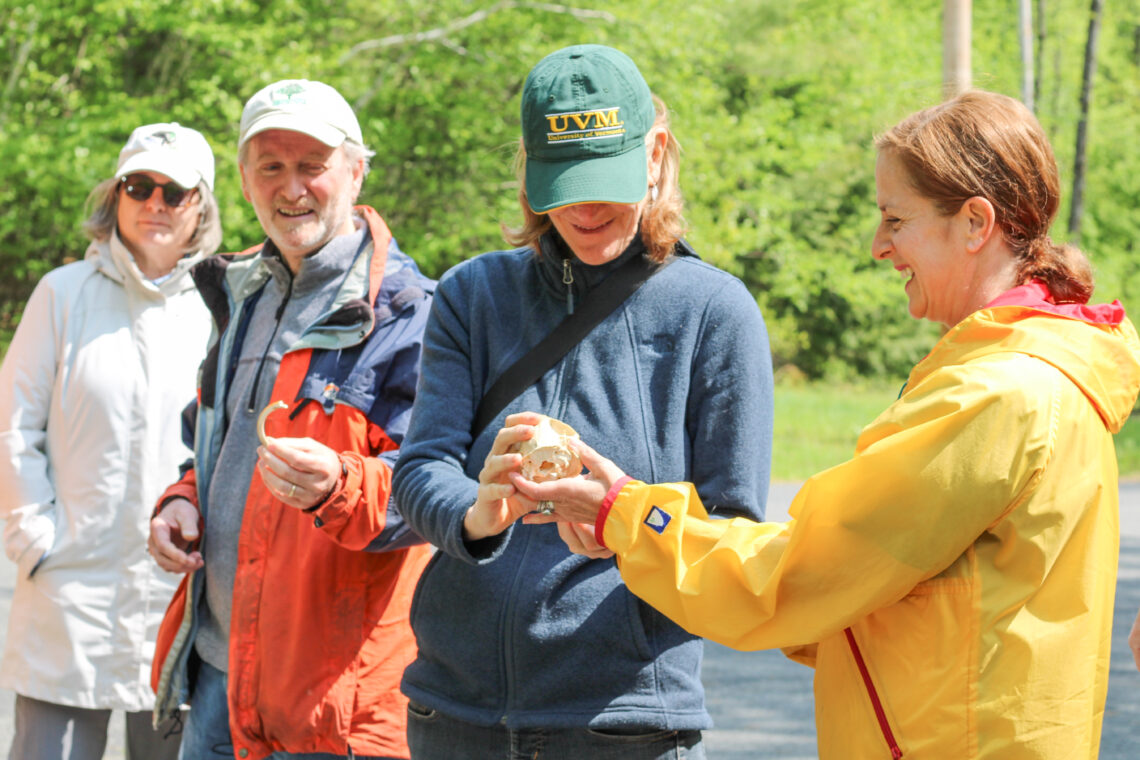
<point x="301" y="190"/>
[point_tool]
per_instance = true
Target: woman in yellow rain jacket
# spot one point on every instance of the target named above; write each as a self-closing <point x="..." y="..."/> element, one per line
<point x="953" y="582"/>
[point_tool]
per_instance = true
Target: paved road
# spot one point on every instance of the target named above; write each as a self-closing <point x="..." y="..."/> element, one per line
<point x="762" y="702"/>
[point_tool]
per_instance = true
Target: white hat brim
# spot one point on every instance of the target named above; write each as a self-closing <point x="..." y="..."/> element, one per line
<point x="155" y="161"/>
<point x="318" y="130"/>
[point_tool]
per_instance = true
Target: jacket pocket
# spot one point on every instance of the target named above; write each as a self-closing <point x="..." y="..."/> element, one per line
<point x="45" y="549"/>
<point x="456" y="618"/>
<point x="417" y="594"/>
<point x="27" y="541"/>
<point x="639" y="626"/>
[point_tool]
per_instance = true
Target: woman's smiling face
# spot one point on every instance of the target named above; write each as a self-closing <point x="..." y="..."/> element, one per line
<point x="923" y="246"/>
<point x="597" y="232"/>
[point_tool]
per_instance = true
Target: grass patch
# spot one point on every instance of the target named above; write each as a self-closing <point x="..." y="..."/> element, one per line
<point x="1128" y="447"/>
<point x="817" y="425"/>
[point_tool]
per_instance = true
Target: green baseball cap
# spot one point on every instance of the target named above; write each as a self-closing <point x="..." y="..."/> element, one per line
<point x="585" y="113"/>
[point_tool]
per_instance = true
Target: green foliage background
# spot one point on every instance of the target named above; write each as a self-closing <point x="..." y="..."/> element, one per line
<point x="775" y="104"/>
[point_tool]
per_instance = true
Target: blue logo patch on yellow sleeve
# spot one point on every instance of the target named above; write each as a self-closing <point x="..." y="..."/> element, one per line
<point x="657" y="520"/>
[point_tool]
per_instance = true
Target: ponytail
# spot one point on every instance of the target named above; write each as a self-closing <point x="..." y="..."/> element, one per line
<point x="1064" y="269"/>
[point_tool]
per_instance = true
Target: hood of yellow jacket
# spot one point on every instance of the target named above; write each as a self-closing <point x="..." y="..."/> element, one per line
<point x="1101" y="357"/>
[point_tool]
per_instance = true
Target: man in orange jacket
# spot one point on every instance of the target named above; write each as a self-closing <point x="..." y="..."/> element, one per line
<point x="290" y="631"/>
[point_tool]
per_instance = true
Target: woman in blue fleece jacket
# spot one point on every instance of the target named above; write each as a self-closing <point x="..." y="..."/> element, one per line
<point x="523" y="646"/>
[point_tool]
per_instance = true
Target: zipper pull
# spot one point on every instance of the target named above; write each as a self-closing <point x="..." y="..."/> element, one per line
<point x="568" y="281"/>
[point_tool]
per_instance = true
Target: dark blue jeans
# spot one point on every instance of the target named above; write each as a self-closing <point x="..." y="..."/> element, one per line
<point x="206" y="735"/>
<point x="435" y="736"/>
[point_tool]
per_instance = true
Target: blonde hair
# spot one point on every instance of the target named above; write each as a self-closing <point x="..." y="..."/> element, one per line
<point x="990" y="145"/>
<point x="662" y="221"/>
<point x="103" y="214"/>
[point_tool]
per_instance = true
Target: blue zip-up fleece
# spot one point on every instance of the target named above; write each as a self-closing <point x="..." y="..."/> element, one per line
<point x="674" y="385"/>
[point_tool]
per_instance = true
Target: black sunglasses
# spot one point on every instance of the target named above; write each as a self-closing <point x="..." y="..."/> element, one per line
<point x="140" y="187"/>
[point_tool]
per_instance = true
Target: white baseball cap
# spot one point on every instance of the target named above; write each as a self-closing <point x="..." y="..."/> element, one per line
<point x="178" y="152"/>
<point x="300" y="105"/>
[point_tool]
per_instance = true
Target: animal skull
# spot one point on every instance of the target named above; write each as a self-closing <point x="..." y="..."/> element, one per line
<point x="546" y="455"/>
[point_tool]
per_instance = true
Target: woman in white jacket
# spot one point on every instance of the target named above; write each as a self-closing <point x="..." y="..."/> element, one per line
<point x="91" y="392"/>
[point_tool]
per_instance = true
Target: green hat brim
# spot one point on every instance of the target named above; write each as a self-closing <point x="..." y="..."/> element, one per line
<point x="602" y="179"/>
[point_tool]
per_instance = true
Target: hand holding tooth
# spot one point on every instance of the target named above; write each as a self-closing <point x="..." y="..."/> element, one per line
<point x="301" y="472"/>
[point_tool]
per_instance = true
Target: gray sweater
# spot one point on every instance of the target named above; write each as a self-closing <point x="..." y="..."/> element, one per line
<point x="287" y="305"/>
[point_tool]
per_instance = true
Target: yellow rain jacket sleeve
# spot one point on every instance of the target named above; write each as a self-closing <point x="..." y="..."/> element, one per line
<point x="863" y="534"/>
<point x="953" y="582"/>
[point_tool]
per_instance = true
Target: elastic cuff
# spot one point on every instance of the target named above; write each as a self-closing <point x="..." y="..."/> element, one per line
<point x="162" y="504"/>
<point x="336" y="487"/>
<point x="607" y="503"/>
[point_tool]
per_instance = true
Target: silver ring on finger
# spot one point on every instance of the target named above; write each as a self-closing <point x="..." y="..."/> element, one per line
<point x="292" y="489"/>
<point x="546" y="507"/>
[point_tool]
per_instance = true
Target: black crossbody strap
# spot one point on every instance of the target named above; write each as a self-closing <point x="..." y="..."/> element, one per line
<point x="595" y="307"/>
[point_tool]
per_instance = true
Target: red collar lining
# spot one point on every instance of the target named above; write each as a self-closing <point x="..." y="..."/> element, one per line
<point x="1035" y="295"/>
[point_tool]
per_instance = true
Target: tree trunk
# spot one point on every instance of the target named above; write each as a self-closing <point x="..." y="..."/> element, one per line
<point x="1077" y="207"/>
<point x="17" y="69"/>
<point x="956" y="74"/>
<point x="1025" y="37"/>
<point x="1039" y="54"/>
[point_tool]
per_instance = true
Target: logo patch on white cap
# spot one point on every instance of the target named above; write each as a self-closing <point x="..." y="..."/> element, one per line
<point x="300" y="105"/>
<point x="287" y="94"/>
<point x="657" y="520"/>
<point x="178" y="152"/>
